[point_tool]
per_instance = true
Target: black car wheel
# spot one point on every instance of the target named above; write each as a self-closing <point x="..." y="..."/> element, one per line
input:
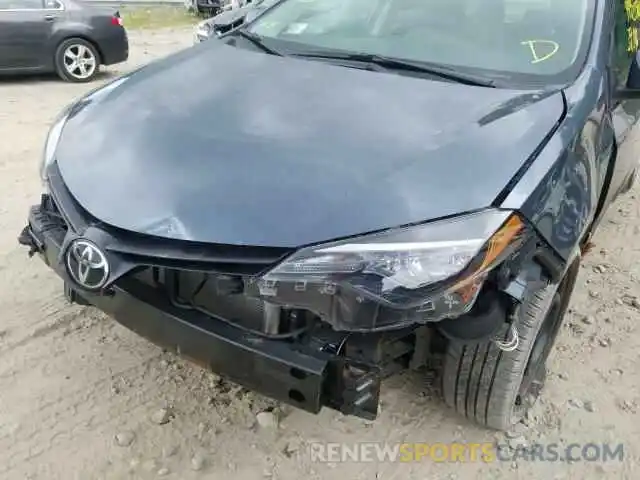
<point x="77" y="60"/>
<point x="495" y="387"/>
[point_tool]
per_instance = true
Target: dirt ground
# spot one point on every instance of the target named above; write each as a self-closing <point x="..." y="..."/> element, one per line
<point x="83" y="398"/>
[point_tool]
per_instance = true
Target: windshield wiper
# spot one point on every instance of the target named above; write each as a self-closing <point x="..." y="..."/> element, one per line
<point x="257" y="41"/>
<point x="391" y="63"/>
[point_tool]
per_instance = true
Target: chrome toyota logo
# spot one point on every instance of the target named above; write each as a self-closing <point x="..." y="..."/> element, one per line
<point x="87" y="265"/>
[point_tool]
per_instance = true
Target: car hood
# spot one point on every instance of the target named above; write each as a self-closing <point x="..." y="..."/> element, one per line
<point x="226" y="145"/>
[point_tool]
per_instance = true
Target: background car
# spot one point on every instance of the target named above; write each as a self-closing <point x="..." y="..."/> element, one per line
<point x="211" y="8"/>
<point x="229" y="19"/>
<point x="70" y="38"/>
<point x="208" y="8"/>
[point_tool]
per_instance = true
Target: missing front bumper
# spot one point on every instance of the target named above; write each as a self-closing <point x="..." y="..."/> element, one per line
<point x="306" y="375"/>
<point x="285" y="371"/>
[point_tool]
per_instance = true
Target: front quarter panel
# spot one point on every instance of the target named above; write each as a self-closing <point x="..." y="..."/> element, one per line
<point x="559" y="193"/>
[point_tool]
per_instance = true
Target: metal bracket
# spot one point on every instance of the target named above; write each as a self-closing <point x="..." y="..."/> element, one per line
<point x="271" y="318"/>
<point x="72" y="296"/>
<point x="527" y="280"/>
<point x="421" y="351"/>
<point x="27" y="238"/>
<point x="360" y="389"/>
<point x="517" y="289"/>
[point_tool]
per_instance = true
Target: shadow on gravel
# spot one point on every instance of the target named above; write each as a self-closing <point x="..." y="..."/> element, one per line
<point x="30" y="79"/>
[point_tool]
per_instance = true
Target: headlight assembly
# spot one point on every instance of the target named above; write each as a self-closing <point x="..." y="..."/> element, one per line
<point x="55" y="132"/>
<point x="423" y="273"/>
<point x="204" y="29"/>
<point x="53" y="137"/>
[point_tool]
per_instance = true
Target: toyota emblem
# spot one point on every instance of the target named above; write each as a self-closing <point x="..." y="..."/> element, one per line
<point x="87" y="265"/>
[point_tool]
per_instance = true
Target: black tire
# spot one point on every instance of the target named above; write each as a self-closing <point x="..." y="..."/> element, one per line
<point x="483" y="382"/>
<point x="61" y="61"/>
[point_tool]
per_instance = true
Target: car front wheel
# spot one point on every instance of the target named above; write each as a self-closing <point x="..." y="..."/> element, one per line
<point x="77" y="60"/>
<point x="495" y="386"/>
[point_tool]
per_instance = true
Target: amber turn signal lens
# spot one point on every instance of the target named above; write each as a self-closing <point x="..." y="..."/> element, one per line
<point x="500" y="240"/>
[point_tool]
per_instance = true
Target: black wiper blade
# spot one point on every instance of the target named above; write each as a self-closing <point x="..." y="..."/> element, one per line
<point x="391" y="63"/>
<point x="257" y="41"/>
<point x="437" y="70"/>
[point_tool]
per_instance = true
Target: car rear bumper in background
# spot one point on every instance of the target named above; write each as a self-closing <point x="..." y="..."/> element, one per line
<point x="210" y="4"/>
<point x="115" y="47"/>
<point x="305" y="377"/>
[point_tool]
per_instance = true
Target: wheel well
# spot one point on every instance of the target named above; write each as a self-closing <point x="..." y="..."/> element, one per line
<point x="604" y="193"/>
<point x="86" y="39"/>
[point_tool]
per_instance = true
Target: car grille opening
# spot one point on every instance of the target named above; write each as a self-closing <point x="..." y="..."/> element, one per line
<point x="188" y="256"/>
<point x="222" y="298"/>
<point x="175" y="269"/>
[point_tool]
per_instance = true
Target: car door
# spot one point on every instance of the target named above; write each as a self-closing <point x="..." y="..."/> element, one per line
<point x="26" y="27"/>
<point x="624" y="113"/>
<point x="7" y="53"/>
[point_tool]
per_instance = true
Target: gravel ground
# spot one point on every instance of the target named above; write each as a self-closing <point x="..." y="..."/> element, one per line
<point x="82" y="397"/>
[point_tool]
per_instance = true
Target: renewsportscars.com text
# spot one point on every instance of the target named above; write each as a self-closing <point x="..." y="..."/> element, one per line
<point x="465" y="452"/>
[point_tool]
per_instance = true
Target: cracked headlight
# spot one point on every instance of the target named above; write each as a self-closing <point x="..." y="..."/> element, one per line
<point x="418" y="274"/>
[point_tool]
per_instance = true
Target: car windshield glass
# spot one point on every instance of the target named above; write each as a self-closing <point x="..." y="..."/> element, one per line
<point x="542" y="38"/>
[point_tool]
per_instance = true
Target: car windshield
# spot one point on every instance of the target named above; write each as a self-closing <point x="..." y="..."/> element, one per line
<point x="542" y="38"/>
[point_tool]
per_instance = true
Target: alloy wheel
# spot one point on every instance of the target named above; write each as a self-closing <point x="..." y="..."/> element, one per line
<point x="79" y="61"/>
